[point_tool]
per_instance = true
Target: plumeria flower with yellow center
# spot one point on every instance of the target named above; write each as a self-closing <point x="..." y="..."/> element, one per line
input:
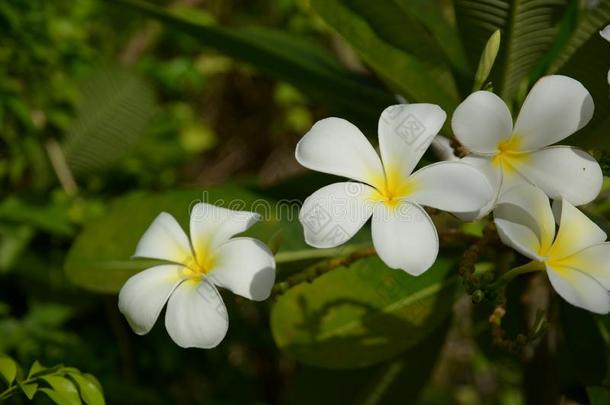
<point x="556" y="107"/>
<point x="196" y="315"/>
<point x="576" y="257"/>
<point x="386" y="189"/>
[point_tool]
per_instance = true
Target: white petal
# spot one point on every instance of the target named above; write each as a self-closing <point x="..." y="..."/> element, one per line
<point x="333" y="214"/>
<point x="405" y="237"/>
<point x="532" y="208"/>
<point x="143" y="296"/>
<point x="405" y="132"/>
<point x="246" y="267"/>
<point x="576" y="231"/>
<point x="482" y="121"/>
<point x="605" y="33"/>
<point x="164" y="239"/>
<point x="196" y="316"/>
<point x="211" y="226"/>
<point x="493" y="174"/>
<point x="514" y="233"/>
<point x="451" y="186"/>
<point x="556" y="107"/>
<point x="335" y="146"/>
<point x="593" y="261"/>
<point x="563" y="171"/>
<point x="579" y="289"/>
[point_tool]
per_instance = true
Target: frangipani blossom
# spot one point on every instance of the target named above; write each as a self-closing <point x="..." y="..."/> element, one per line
<point x="556" y="107"/>
<point x="196" y="315"/>
<point x="576" y="257"/>
<point x="386" y="189"/>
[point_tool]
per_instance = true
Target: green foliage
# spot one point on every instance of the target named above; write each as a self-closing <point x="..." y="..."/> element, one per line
<point x="413" y="65"/>
<point x="308" y="67"/>
<point x="114" y="109"/>
<point x="585" y="58"/>
<point x="63" y="385"/>
<point x="487" y="60"/>
<point x="362" y="314"/>
<point x="528" y="27"/>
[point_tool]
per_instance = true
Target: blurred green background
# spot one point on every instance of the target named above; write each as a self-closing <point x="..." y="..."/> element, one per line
<point x="108" y="107"/>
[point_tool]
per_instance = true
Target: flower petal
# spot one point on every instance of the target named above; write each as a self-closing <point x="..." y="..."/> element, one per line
<point x="605" y="33"/>
<point x="481" y="122"/>
<point x="493" y="174"/>
<point x="555" y="108"/>
<point x="211" y="226"/>
<point x="534" y="210"/>
<point x="451" y="186"/>
<point x="196" y="316"/>
<point x="143" y="296"/>
<point x="563" y="171"/>
<point x="164" y="239"/>
<point x="576" y="231"/>
<point x="405" y="237"/>
<point x="593" y="261"/>
<point x="333" y="214"/>
<point x="405" y="132"/>
<point x="335" y="146"/>
<point x="579" y="289"/>
<point x="246" y="267"/>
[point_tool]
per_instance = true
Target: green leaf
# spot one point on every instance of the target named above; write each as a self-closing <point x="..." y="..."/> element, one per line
<point x="386" y="383"/>
<point x="528" y="27"/>
<point x="89" y="391"/>
<point x="361" y="315"/>
<point x="598" y="395"/>
<point x="36" y="369"/>
<point x="114" y="111"/>
<point x="100" y="258"/>
<point x="585" y="348"/>
<point x="487" y="60"/>
<point x="305" y="65"/>
<point x="585" y="58"/>
<point x="64" y="390"/>
<point x="8" y="369"/>
<point x="410" y="61"/>
<point x="29" y="390"/>
<point x="57" y="397"/>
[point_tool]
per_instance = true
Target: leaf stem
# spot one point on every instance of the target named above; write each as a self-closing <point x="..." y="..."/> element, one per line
<point x="313" y="272"/>
<point x="512" y="273"/>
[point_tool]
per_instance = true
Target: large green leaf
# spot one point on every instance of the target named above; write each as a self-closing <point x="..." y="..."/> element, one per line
<point x="396" y="45"/>
<point x="390" y="382"/>
<point x="362" y="314"/>
<point x="302" y="63"/>
<point x="528" y="30"/>
<point x="586" y="58"/>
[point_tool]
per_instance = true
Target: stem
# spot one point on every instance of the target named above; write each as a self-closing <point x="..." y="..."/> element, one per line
<point x="509" y="275"/>
<point x="8" y="392"/>
<point x="313" y="272"/>
<point x="305" y="254"/>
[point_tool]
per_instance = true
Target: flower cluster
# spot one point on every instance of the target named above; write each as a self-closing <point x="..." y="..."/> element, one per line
<point x="510" y="170"/>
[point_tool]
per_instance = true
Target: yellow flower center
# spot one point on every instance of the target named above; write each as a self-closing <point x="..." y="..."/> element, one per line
<point x="510" y="155"/>
<point x="199" y="265"/>
<point x="393" y="187"/>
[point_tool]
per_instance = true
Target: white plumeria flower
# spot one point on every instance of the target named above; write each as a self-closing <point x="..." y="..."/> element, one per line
<point x="196" y="315"/>
<point x="576" y="257"/>
<point x="403" y="233"/>
<point x="556" y="107"/>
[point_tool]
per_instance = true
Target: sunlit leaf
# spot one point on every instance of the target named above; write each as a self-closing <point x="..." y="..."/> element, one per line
<point x="8" y="369"/>
<point x="361" y="315"/>
<point x="64" y="387"/>
<point x="488" y="57"/>
<point x="29" y="390"/>
<point x="89" y="391"/>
